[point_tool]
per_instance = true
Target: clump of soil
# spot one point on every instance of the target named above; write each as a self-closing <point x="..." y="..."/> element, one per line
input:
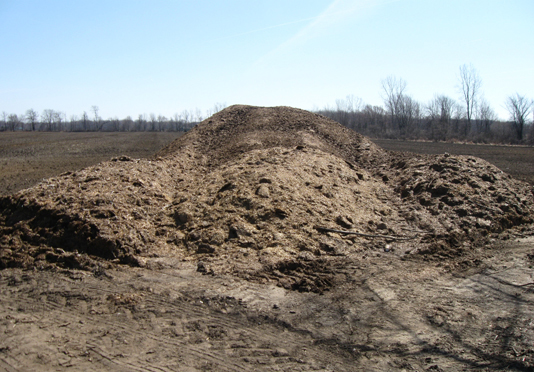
<point x="269" y="194"/>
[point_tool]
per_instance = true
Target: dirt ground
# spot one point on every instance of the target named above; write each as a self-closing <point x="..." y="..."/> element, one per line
<point x="392" y="315"/>
<point x="515" y="160"/>
<point x="27" y="158"/>
<point x="358" y="304"/>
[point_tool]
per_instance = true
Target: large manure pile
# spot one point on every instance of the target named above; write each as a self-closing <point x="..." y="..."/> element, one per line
<point x="273" y="194"/>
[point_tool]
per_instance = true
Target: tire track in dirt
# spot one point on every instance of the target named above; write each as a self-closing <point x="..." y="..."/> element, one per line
<point x="115" y="362"/>
<point x="129" y="334"/>
<point x="6" y="366"/>
<point x="237" y="348"/>
<point x="391" y="315"/>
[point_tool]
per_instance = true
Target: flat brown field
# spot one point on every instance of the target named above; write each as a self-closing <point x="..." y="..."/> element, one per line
<point x="518" y="161"/>
<point x="28" y="157"/>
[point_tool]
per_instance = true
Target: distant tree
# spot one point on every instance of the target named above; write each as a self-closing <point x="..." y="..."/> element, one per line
<point x="346" y="111"/>
<point x="174" y="122"/>
<point x="4" y="120"/>
<point x="374" y="121"/>
<point x="395" y="101"/>
<point x="470" y="84"/>
<point x="485" y="116"/>
<point x="161" y="122"/>
<point x="98" y="122"/>
<point x="519" y="108"/>
<point x="85" y="121"/>
<point x="439" y="112"/>
<point x="216" y="108"/>
<point x="341" y="114"/>
<point x="185" y="119"/>
<point x="13" y="121"/>
<point x="47" y="119"/>
<point x="152" y="120"/>
<point x="198" y="116"/>
<point x="127" y="124"/>
<point x="72" y="122"/>
<point x="140" y="122"/>
<point x="58" y="119"/>
<point x="409" y="116"/>
<point x="32" y="118"/>
<point x="114" y="124"/>
<point x="353" y="104"/>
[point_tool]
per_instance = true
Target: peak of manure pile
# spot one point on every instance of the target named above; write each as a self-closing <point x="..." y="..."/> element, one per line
<point x="271" y="194"/>
<point x="239" y="129"/>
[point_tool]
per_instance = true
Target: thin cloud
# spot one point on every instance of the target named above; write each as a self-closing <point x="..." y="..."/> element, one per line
<point x="266" y="28"/>
<point x="337" y="12"/>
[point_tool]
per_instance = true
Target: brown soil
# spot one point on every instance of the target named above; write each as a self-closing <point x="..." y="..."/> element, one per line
<point x="26" y="158"/>
<point x="269" y="222"/>
<point x="517" y="161"/>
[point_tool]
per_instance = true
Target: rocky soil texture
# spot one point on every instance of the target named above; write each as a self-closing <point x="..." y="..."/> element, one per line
<point x="288" y="219"/>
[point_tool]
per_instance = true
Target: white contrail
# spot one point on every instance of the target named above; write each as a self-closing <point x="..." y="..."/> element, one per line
<point x="334" y="13"/>
<point x="267" y="28"/>
<point x="328" y="13"/>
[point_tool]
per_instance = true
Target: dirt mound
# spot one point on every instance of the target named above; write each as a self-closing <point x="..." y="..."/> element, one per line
<point x="269" y="194"/>
<point x="240" y="129"/>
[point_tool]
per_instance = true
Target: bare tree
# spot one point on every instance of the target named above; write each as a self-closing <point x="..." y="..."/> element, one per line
<point x="98" y="122"/>
<point x="354" y="104"/>
<point x="58" y="119"/>
<point x="187" y="119"/>
<point x="409" y="112"/>
<point x="72" y="122"/>
<point x="47" y="118"/>
<point x="175" y="122"/>
<point x="114" y="124"/>
<point x="346" y="111"/>
<point x="32" y="118"/>
<point x="342" y="114"/>
<point x="141" y="121"/>
<point x="374" y="120"/>
<point x="440" y="111"/>
<point x="95" y="110"/>
<point x="470" y="84"/>
<point x="161" y="122"/>
<point x="185" y="116"/>
<point x="394" y="89"/>
<point x="85" y="121"/>
<point x="486" y="116"/>
<point x="127" y="124"/>
<point x="216" y="108"/>
<point x="4" y="120"/>
<point x="198" y="115"/>
<point x="13" y="121"/>
<point x="153" y="121"/>
<point x="519" y="108"/>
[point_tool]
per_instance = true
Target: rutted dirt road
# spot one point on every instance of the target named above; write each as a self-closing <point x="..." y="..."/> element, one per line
<point x="391" y="315"/>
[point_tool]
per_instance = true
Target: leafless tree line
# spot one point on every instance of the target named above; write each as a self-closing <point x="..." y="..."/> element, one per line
<point x="51" y="120"/>
<point x="471" y="118"/>
<point x="443" y="118"/>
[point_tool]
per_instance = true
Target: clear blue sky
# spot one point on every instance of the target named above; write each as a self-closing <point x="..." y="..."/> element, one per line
<point x="131" y="57"/>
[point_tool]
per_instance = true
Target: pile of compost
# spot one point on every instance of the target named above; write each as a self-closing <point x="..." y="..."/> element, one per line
<point x="270" y="194"/>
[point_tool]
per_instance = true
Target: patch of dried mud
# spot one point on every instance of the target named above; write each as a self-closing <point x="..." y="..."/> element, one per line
<point x="268" y="194"/>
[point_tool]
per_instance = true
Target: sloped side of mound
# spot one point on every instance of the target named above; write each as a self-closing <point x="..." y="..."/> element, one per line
<point x="468" y="190"/>
<point x="109" y="211"/>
